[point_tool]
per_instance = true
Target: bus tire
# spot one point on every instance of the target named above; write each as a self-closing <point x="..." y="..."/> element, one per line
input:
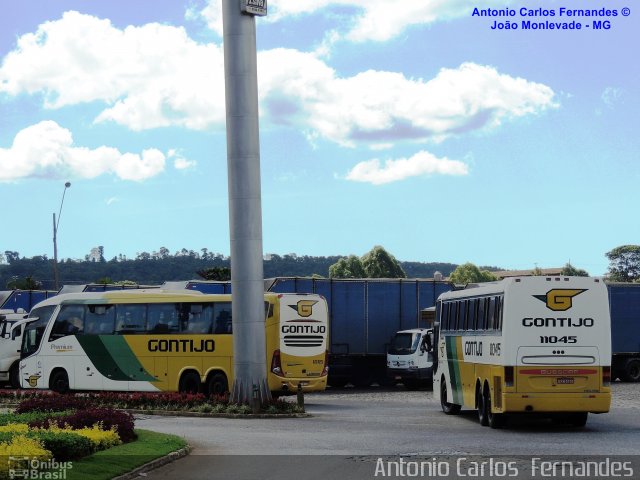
<point x="59" y="381"/>
<point x="482" y="408"/>
<point x="578" y="419"/>
<point x="447" y="408"/>
<point x="14" y="375"/>
<point x="189" y="382"/>
<point x="494" y="420"/>
<point x="217" y="384"/>
<point x="632" y="370"/>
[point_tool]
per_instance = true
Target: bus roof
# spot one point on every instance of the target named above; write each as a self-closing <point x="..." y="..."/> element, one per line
<point x="488" y="288"/>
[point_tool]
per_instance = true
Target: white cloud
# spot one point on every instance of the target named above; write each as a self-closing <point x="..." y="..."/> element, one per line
<point x="154" y="76"/>
<point x="422" y="163"/>
<point x="150" y="76"/>
<point x="379" y="107"/>
<point x="179" y="161"/>
<point x="377" y="20"/>
<point x="46" y="150"/>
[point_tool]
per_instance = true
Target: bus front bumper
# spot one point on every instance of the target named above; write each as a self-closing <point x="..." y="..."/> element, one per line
<point x="555" y="402"/>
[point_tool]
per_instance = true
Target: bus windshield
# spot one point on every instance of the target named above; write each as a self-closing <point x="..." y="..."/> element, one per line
<point x="33" y="331"/>
<point x="404" y="343"/>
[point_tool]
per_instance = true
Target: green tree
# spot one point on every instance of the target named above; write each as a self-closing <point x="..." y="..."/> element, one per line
<point x="570" y="271"/>
<point x="378" y="263"/>
<point x="624" y="263"/>
<point x="469" y="273"/>
<point x="28" y="283"/>
<point x="347" y="267"/>
<point x="221" y="274"/>
<point x="537" y="272"/>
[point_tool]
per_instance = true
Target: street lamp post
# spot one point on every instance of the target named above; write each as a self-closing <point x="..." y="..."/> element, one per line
<point x="56" y="279"/>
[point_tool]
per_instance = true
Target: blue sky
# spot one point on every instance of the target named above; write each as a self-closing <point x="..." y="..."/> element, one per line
<point x="411" y="125"/>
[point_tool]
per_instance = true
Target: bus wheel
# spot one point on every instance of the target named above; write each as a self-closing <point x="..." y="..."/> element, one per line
<point x="578" y="419"/>
<point x="189" y="383"/>
<point x="448" y="408"/>
<point x="494" y="420"/>
<point x="59" y="381"/>
<point x="14" y="375"/>
<point x="632" y="370"/>
<point x="482" y="407"/>
<point x="217" y="384"/>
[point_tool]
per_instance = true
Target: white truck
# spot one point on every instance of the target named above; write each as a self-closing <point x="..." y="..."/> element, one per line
<point x="410" y="358"/>
<point x="11" y="326"/>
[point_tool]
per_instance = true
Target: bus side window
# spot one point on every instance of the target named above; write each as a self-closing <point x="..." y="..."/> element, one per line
<point x="131" y="318"/>
<point x="473" y="314"/>
<point x="199" y="319"/>
<point x="453" y="318"/>
<point x="482" y="314"/>
<point x="163" y="317"/>
<point x="491" y="314"/>
<point x="222" y="318"/>
<point x="498" y="321"/>
<point x="446" y="308"/>
<point x="70" y="321"/>
<point x="99" y="319"/>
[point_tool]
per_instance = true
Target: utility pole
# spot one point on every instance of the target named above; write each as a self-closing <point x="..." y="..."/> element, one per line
<point x="245" y="210"/>
<point x="56" y="278"/>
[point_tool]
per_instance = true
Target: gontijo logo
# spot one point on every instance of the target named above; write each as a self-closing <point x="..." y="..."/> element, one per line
<point x="559" y="299"/>
<point x="304" y="307"/>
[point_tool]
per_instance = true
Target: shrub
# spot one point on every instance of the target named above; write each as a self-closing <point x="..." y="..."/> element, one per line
<point x="29" y="417"/>
<point x="14" y="428"/>
<point x="100" y="439"/>
<point x="108" y="418"/>
<point x="21" y="446"/>
<point x="52" y="403"/>
<point x="64" y="445"/>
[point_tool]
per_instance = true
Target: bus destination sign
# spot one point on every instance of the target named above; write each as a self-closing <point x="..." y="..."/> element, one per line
<point x="254" y="7"/>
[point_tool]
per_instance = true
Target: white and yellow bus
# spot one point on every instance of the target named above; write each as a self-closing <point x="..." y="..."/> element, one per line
<point x="530" y="345"/>
<point x="154" y="340"/>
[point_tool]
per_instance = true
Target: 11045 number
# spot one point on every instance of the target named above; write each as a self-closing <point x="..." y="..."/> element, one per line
<point x="554" y="339"/>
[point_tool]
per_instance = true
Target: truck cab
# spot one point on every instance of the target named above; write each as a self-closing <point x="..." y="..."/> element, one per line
<point x="410" y="357"/>
<point x="11" y="327"/>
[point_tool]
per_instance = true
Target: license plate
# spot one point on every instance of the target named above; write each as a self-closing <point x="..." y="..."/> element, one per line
<point x="565" y="381"/>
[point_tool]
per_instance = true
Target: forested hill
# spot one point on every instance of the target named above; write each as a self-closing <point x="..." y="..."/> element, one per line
<point x="153" y="269"/>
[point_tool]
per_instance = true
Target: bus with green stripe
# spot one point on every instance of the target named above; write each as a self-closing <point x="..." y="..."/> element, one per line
<point x="528" y="345"/>
<point x="159" y="340"/>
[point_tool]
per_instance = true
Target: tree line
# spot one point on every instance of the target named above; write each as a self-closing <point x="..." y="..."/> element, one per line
<point x="153" y="268"/>
<point x="159" y="266"/>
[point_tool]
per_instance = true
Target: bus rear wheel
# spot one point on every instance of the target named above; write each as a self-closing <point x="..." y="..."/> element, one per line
<point x="189" y="383"/>
<point x="59" y="381"/>
<point x="448" y="408"/>
<point x="217" y="384"/>
<point x="494" y="420"/>
<point x="482" y="408"/>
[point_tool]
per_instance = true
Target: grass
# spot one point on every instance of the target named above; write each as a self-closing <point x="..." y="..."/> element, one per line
<point x="124" y="458"/>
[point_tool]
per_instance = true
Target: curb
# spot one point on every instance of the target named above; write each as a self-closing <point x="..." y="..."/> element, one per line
<point x="153" y="464"/>
<point x="180" y="413"/>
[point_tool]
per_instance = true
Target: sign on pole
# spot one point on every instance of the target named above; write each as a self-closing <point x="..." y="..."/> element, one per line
<point x="254" y="7"/>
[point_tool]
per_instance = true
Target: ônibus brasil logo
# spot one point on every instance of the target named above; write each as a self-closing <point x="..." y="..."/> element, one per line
<point x="560" y="299"/>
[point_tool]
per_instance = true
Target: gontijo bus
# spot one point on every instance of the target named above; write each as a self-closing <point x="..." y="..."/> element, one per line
<point x="525" y="345"/>
<point x="154" y="340"/>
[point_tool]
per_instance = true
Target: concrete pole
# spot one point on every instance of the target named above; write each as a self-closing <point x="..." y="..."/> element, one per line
<point x="245" y="211"/>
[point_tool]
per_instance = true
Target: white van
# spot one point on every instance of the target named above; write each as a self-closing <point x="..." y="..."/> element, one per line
<point x="409" y="358"/>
